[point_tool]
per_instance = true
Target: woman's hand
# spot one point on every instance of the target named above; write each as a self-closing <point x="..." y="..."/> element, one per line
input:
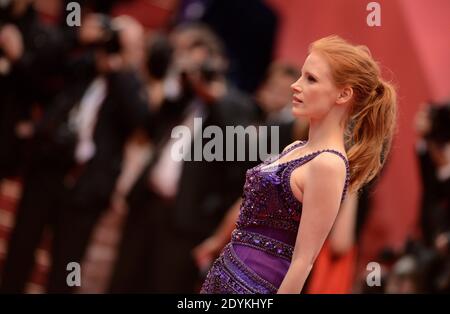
<point x="205" y="253"/>
<point x="442" y="242"/>
<point x="11" y="42"/>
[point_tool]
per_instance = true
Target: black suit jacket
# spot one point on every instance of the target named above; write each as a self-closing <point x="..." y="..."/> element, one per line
<point x="206" y="190"/>
<point x="123" y="110"/>
<point x="435" y="205"/>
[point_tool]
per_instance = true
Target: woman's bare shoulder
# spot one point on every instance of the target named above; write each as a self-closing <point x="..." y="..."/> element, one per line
<point x="323" y="169"/>
<point x="326" y="167"/>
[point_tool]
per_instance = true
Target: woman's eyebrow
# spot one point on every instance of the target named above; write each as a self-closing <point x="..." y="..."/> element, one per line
<point x="307" y="72"/>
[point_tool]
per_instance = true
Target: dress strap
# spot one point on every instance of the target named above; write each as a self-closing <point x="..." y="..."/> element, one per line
<point x="284" y="152"/>
<point x="347" y="169"/>
<point x="293" y="164"/>
<point x="291" y="148"/>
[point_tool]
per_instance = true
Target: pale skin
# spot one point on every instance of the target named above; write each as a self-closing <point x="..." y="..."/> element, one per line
<point x="318" y="184"/>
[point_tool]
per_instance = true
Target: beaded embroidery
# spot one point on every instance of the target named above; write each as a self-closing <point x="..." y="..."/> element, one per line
<point x="264" y="243"/>
<point x="230" y="275"/>
<point x="267" y="201"/>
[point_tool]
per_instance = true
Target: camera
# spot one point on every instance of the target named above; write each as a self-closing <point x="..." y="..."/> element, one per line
<point x="110" y="41"/>
<point x="211" y="70"/>
<point x="160" y="57"/>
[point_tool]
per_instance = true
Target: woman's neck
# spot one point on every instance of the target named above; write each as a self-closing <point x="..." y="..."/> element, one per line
<point x="326" y="133"/>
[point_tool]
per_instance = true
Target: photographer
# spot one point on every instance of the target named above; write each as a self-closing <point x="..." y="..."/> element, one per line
<point x="433" y="150"/>
<point x="175" y="205"/>
<point x="32" y="57"/>
<point x="79" y="152"/>
<point x="432" y="125"/>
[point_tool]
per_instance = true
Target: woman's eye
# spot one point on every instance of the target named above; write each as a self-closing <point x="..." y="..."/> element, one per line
<point x="311" y="79"/>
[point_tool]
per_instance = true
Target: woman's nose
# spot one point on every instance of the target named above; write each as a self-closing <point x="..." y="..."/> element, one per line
<point x="296" y="86"/>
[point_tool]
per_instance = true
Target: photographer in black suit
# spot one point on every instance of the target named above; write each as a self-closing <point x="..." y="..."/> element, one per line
<point x="31" y="72"/>
<point x="433" y="151"/>
<point x="177" y="204"/>
<point x="111" y="109"/>
<point x="78" y="152"/>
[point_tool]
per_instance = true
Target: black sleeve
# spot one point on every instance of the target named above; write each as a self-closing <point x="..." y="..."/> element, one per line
<point x="429" y="221"/>
<point x="236" y="109"/>
<point x="427" y="170"/>
<point x="129" y="91"/>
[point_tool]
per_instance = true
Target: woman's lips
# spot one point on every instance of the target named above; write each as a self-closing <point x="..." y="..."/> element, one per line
<point x="297" y="100"/>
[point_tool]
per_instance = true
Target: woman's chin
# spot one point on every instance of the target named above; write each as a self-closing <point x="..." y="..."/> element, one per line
<point x="297" y="111"/>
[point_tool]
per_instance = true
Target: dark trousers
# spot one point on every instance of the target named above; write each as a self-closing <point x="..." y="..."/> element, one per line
<point x="153" y="256"/>
<point x="45" y="203"/>
<point x="37" y="209"/>
<point x="72" y="235"/>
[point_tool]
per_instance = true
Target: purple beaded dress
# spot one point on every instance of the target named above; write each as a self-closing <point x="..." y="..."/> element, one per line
<point x="260" y="251"/>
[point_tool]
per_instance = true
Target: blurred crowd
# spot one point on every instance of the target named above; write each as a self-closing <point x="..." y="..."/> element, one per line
<point x="86" y="117"/>
<point x="87" y="114"/>
<point x="423" y="265"/>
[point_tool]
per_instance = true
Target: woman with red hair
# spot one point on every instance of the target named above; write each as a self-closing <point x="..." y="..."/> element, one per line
<point x="290" y="202"/>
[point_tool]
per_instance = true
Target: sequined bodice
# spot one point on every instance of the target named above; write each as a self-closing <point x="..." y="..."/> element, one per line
<point x="268" y="200"/>
<point x="260" y="251"/>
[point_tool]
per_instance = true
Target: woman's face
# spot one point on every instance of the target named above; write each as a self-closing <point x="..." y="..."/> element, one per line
<point x="314" y="92"/>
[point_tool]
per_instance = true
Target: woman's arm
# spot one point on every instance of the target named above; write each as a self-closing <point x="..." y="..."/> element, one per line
<point x="206" y="251"/>
<point x="324" y="180"/>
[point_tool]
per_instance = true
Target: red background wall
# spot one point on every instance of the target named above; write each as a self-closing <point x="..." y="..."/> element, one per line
<point x="413" y="47"/>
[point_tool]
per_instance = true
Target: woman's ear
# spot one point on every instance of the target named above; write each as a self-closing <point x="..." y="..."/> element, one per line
<point x="345" y="95"/>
